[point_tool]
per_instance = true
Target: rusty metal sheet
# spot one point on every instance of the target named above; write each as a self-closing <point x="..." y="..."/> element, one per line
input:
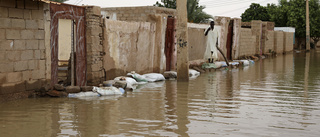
<point x="76" y="13"/>
<point x="169" y="43"/>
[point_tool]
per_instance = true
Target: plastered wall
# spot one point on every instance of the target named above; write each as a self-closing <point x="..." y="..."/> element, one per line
<point x="129" y="46"/>
<point x="196" y="41"/>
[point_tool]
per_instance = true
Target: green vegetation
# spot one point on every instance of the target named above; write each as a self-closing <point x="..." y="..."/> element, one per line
<point x="195" y="11"/>
<point x="255" y="12"/>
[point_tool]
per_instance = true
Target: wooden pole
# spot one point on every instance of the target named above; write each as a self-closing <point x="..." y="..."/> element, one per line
<point x="182" y="42"/>
<point x="307" y="27"/>
<point x="72" y="53"/>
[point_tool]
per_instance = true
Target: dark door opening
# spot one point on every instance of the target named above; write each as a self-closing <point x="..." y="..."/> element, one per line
<point x="230" y="40"/>
<point x="169" y="43"/>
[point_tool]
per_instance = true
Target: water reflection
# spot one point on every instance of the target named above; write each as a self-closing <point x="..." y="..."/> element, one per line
<point x="273" y="97"/>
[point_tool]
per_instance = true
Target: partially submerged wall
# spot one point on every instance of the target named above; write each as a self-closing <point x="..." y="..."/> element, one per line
<point x="256" y="27"/>
<point x="247" y="43"/>
<point x="95" y="51"/>
<point x="196" y="41"/>
<point x="24" y="47"/>
<point x="157" y="15"/>
<point x="129" y="46"/>
<point x="278" y="42"/>
<point x="288" y="42"/>
<point x="269" y="42"/>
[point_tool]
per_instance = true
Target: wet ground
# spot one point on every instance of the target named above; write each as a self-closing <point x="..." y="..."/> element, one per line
<point x="273" y="97"/>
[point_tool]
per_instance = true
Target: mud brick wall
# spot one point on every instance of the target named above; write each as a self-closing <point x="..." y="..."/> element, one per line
<point x="256" y="27"/>
<point x="135" y="13"/>
<point x="269" y="42"/>
<point x="94" y="37"/>
<point x="279" y="42"/>
<point x="270" y="26"/>
<point x="24" y="46"/>
<point x="288" y="42"/>
<point x="247" y="43"/>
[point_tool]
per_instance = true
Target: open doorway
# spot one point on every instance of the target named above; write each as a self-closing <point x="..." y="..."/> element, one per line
<point x="66" y="52"/>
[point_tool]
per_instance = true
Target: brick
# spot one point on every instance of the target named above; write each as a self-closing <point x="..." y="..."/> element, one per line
<point x="2" y="34"/>
<point x="6" y="45"/>
<point x="5" y="23"/>
<point x="36" y="54"/>
<point x="31" y="24"/>
<point x="13" y="55"/>
<point x="32" y="64"/>
<point x="2" y="56"/>
<point x="27" y="14"/>
<point x="20" y="66"/>
<point x="40" y="24"/>
<point x="35" y="74"/>
<point x="27" y="55"/>
<point x="20" y="4"/>
<point x="41" y="44"/>
<point x="37" y="14"/>
<point x="33" y="85"/>
<point x="32" y="44"/>
<point x="18" y="23"/>
<point x="19" y="44"/>
<point x="27" y="34"/>
<point x="3" y="78"/>
<point x="39" y="34"/>
<point x="8" y="3"/>
<point x="3" y="12"/>
<point x="42" y="54"/>
<point x="12" y="34"/>
<point x="6" y="67"/>
<point x="42" y="65"/>
<point x="14" y="77"/>
<point x="32" y="5"/>
<point x="26" y="75"/>
<point x="16" y="13"/>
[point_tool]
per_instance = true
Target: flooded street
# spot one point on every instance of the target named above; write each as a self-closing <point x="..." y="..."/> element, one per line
<point x="273" y="97"/>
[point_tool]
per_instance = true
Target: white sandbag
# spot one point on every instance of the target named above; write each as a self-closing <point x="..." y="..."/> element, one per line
<point x="131" y="83"/>
<point x="149" y="77"/>
<point x="234" y="63"/>
<point x="193" y="73"/>
<point x="83" y="94"/>
<point x="245" y="62"/>
<point x="106" y="91"/>
<point x="153" y="77"/>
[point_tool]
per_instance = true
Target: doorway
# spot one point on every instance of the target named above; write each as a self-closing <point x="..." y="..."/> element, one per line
<point x="67" y="20"/>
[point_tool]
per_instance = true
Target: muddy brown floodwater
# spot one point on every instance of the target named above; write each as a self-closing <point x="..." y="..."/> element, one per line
<point x="274" y="97"/>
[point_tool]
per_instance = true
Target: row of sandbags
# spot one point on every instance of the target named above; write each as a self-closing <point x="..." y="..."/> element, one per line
<point x="130" y="82"/>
